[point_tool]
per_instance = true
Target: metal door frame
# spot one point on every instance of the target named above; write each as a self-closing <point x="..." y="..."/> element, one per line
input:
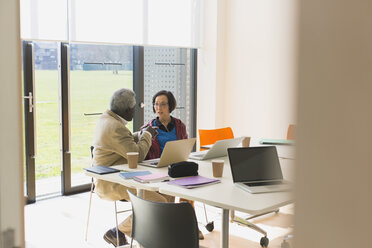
<point x="29" y="118"/>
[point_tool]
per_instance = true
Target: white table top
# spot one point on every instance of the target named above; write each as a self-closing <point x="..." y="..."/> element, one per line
<point x="115" y="178"/>
<point x="224" y="195"/>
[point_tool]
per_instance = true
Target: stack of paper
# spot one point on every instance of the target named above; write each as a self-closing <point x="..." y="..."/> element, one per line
<point x="129" y="175"/>
<point x="193" y="182"/>
<point x="152" y="178"/>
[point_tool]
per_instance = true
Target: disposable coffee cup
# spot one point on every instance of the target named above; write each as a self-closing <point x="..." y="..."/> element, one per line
<point x="217" y="166"/>
<point x="132" y="158"/>
<point x="246" y="141"/>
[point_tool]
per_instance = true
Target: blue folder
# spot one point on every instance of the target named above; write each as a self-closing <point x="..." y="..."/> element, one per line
<point x="129" y="175"/>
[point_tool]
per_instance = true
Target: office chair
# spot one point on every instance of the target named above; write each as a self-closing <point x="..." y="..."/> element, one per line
<point x="163" y="225"/>
<point x="90" y="204"/>
<point x="210" y="136"/>
<point x="291" y="135"/>
<point x="291" y="132"/>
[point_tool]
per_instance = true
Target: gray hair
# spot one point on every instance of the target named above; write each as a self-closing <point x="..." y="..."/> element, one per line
<point x="122" y="100"/>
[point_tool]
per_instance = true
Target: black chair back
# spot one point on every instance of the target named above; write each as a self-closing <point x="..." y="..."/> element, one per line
<point x="164" y="225"/>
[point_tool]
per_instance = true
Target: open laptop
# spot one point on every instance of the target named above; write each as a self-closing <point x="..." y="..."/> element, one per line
<point x="219" y="149"/>
<point x="257" y="169"/>
<point x="173" y="152"/>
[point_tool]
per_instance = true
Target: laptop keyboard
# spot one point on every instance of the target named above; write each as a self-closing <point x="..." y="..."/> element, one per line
<point x="263" y="183"/>
<point x="198" y="154"/>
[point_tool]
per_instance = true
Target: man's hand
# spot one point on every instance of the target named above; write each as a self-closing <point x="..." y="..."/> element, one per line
<point x="151" y="130"/>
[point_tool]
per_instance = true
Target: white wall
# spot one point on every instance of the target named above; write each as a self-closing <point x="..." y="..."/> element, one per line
<point x="11" y="151"/>
<point x="334" y="162"/>
<point x="260" y="67"/>
<point x="207" y="72"/>
<point x="247" y="67"/>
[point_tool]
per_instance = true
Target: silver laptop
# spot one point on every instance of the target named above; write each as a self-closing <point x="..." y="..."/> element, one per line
<point x="173" y="152"/>
<point x="257" y="169"/>
<point x="219" y="149"/>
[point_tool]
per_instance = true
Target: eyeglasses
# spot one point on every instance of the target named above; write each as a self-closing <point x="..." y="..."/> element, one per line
<point x="160" y="104"/>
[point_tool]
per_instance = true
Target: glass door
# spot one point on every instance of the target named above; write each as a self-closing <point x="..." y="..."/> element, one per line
<point x="95" y="72"/>
<point x="41" y="108"/>
<point x="66" y="88"/>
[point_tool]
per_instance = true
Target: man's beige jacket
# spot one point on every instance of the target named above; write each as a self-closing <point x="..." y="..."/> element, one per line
<point x="112" y="141"/>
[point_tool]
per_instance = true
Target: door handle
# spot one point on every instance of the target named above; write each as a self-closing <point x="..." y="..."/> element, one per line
<point x="31" y="109"/>
<point x="30" y="101"/>
<point x="142" y="105"/>
<point x="88" y="114"/>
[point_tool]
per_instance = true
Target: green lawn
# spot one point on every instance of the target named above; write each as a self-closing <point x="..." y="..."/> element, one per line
<point x="90" y="92"/>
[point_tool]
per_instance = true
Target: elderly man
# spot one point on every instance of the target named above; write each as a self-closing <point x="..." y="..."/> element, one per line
<point x="112" y="141"/>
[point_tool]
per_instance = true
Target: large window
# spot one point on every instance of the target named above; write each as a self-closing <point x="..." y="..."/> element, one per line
<point x="73" y="84"/>
<point x="170" y="69"/>
<point x="174" y="23"/>
<point x="96" y="71"/>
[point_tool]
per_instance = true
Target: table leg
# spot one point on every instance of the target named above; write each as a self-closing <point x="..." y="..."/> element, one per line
<point x="225" y="229"/>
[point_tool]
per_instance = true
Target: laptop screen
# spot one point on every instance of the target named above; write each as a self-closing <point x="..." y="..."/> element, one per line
<point x="251" y="164"/>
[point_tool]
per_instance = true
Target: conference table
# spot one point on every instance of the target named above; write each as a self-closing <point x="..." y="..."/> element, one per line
<point x="223" y="195"/>
<point x="227" y="196"/>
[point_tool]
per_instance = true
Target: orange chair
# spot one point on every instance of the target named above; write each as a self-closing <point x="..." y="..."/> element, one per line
<point x="291" y="132"/>
<point x="210" y="136"/>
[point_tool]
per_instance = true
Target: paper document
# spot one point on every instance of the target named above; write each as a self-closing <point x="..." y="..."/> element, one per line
<point x="194" y="182"/>
<point x="152" y="178"/>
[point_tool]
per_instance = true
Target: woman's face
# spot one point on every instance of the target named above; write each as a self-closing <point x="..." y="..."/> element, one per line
<point x="162" y="107"/>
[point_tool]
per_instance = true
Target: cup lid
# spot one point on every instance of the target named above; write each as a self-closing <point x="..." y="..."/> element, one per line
<point x="218" y="161"/>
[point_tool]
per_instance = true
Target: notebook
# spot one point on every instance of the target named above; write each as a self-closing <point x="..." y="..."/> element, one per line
<point x="152" y="178"/>
<point x="130" y="175"/>
<point x="218" y="149"/>
<point x="257" y="169"/>
<point x="194" y="182"/>
<point x="173" y="152"/>
<point x="101" y="169"/>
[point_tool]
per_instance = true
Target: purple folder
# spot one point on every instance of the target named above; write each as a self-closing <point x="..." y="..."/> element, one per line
<point x="193" y="182"/>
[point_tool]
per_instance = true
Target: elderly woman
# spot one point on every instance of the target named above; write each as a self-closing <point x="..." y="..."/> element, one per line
<point x="112" y="141"/>
<point x="168" y="127"/>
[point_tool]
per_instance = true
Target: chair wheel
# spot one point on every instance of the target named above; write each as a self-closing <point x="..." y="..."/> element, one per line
<point x="264" y="242"/>
<point x="285" y="244"/>
<point x="210" y="226"/>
